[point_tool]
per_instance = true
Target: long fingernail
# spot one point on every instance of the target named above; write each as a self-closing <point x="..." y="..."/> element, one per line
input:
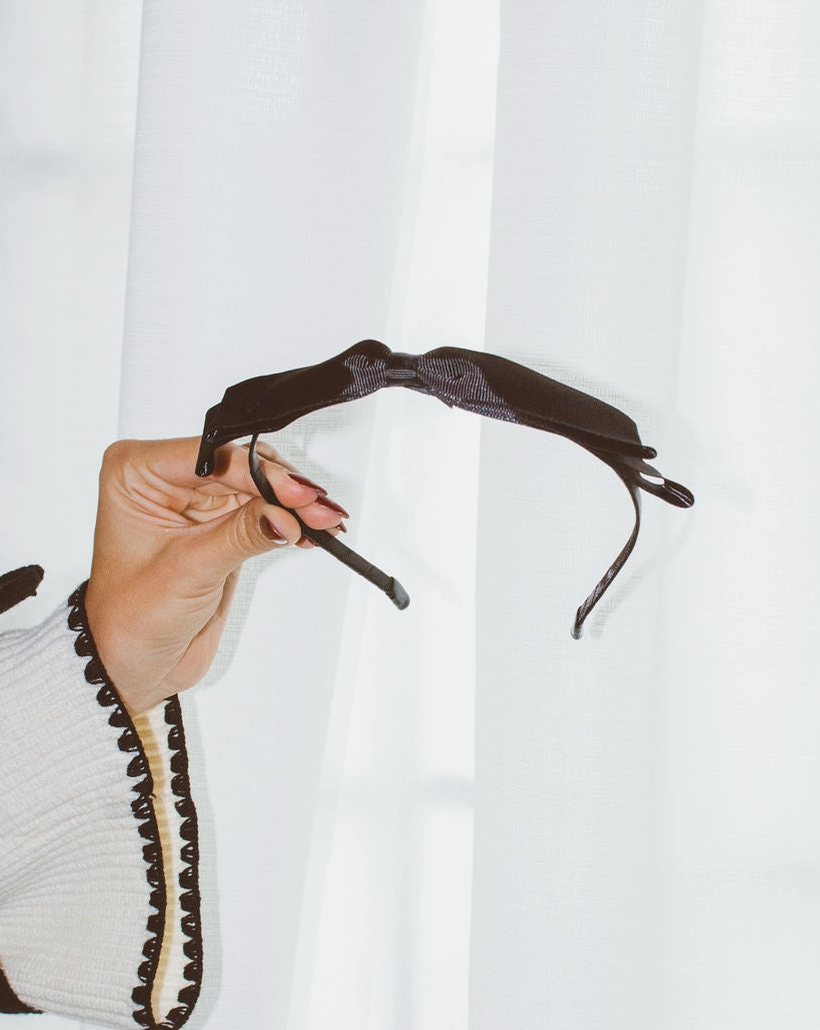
<point x="306" y="540"/>
<point x="271" y="532"/>
<point x="342" y="526"/>
<point x="304" y="481"/>
<point x="326" y="501"/>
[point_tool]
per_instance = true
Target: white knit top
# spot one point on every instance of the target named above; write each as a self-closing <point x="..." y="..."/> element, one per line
<point x="99" y="904"/>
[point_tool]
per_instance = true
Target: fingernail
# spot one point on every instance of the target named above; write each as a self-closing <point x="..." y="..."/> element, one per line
<point x="304" y="481"/>
<point x="306" y="540"/>
<point x="271" y="532"/>
<point x="326" y="501"/>
<point x="342" y="526"/>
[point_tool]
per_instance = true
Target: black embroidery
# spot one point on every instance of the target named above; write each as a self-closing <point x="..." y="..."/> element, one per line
<point x="143" y="809"/>
<point x="189" y="898"/>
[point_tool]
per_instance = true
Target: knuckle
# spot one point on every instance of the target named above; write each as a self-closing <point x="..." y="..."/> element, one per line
<point x="116" y="457"/>
<point x="240" y="536"/>
<point x="111" y="454"/>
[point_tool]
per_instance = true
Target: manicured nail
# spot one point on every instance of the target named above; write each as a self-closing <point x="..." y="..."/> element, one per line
<point x="342" y="526"/>
<point x="271" y="532"/>
<point x="326" y="501"/>
<point x="304" y="481"/>
<point x="306" y="540"/>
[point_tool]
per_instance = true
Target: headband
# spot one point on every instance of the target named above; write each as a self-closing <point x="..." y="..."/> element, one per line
<point x="475" y="381"/>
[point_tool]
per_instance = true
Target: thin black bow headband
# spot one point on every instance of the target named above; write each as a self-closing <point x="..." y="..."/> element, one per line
<point x="483" y="383"/>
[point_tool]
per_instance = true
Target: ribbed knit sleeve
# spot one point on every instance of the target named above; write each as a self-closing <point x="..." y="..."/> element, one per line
<point x="99" y="905"/>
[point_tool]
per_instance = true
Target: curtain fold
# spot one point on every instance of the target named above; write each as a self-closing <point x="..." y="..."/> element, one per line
<point x="596" y="108"/>
<point x="643" y="846"/>
<point x="271" y="149"/>
<point x="68" y="87"/>
<point x="456" y="816"/>
<point x="739" y="710"/>
<point x="305" y="178"/>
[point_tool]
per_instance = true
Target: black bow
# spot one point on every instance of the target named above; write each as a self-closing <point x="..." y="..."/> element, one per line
<point x="483" y="383"/>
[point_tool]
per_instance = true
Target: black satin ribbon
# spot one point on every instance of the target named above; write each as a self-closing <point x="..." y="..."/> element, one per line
<point x="486" y="384"/>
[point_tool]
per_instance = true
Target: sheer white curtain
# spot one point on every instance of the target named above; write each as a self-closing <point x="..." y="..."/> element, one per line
<point x="629" y="192"/>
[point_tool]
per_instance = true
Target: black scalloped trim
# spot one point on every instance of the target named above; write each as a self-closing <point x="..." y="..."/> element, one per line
<point x="143" y="809"/>
<point x="189" y="897"/>
<point x="142" y="806"/>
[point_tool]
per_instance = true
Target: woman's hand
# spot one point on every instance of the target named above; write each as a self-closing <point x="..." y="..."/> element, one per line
<point x="168" y="547"/>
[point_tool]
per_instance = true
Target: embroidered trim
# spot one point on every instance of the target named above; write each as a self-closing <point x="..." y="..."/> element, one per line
<point x="141" y="806"/>
<point x="143" y="809"/>
<point x="189" y="898"/>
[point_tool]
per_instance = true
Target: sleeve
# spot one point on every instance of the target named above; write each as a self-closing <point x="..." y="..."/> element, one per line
<point x="99" y="899"/>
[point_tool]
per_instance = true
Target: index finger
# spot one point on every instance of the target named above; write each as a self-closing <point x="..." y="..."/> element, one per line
<point x="174" y="463"/>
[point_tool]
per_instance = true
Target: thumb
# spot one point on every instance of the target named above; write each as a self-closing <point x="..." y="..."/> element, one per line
<point x="254" y="528"/>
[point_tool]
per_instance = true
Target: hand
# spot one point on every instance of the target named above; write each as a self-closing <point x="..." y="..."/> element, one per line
<point x="168" y="547"/>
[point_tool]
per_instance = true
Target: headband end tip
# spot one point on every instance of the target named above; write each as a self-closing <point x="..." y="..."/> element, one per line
<point x="397" y="594"/>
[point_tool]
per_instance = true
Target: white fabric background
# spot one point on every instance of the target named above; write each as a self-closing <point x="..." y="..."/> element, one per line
<point x="457" y="816"/>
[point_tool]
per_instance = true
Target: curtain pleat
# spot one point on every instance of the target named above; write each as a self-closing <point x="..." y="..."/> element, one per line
<point x="304" y="178"/>
<point x="738" y="712"/>
<point x="68" y="85"/>
<point x="272" y="142"/>
<point x="644" y="855"/>
<point x="588" y="255"/>
<point x="456" y="816"/>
